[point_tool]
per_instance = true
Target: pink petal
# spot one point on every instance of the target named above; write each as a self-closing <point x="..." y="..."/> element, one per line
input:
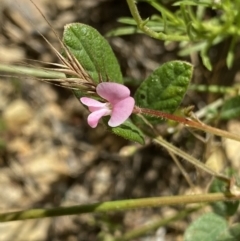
<point x="113" y="92"/>
<point x="94" y="105"/>
<point x="95" y="116"/>
<point x="121" y="111"/>
<point x="91" y="102"/>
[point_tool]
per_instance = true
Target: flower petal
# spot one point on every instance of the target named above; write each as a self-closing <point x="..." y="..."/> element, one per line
<point x="91" y="102"/>
<point x="113" y="92"/>
<point x="94" y="105"/>
<point x="95" y="116"/>
<point x="121" y="111"/>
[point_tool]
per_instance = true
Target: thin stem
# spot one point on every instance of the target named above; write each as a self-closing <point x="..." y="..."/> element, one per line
<point x="122" y="205"/>
<point x="208" y="108"/>
<point x="188" y="122"/>
<point x="159" y="140"/>
<point x="173" y="150"/>
<point x="31" y="71"/>
<point x="138" y="232"/>
<point x="142" y="26"/>
<point x="181" y="168"/>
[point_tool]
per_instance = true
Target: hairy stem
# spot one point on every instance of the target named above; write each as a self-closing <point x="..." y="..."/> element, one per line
<point x="188" y="122"/>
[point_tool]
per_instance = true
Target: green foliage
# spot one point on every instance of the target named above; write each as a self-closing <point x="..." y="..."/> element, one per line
<point x="93" y="52"/>
<point x="190" y="23"/>
<point x="164" y="89"/>
<point x="204" y="3"/>
<point x="230" y="234"/>
<point x="129" y="131"/>
<point x="231" y="108"/>
<point x="211" y="227"/>
<point x="224" y="209"/>
<point x="208" y="227"/>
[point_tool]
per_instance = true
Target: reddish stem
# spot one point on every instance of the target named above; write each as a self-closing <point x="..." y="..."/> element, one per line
<point x="187" y="122"/>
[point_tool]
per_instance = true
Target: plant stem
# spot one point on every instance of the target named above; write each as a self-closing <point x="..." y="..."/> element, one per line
<point x="138" y="232"/>
<point x="188" y="122"/>
<point x="31" y="71"/>
<point x="181" y="168"/>
<point x="122" y="205"/>
<point x="208" y="108"/>
<point x="142" y="26"/>
<point x="159" y="140"/>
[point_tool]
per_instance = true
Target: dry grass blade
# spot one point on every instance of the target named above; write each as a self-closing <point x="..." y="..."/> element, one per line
<point x="55" y="76"/>
<point x="69" y="66"/>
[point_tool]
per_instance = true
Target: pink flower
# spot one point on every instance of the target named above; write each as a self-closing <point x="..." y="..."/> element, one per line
<point x="119" y="104"/>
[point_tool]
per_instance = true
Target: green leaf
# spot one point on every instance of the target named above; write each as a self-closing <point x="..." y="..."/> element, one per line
<point x="224" y="209"/>
<point x="195" y="47"/>
<point x="206" y="3"/>
<point x="187" y="50"/>
<point x="93" y="52"/>
<point x="123" y="31"/>
<point x="164" y="89"/>
<point x="230" y="58"/>
<point x="230" y="234"/>
<point x="129" y="131"/>
<point x="231" y="108"/>
<point x="205" y="228"/>
<point x="205" y="58"/>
